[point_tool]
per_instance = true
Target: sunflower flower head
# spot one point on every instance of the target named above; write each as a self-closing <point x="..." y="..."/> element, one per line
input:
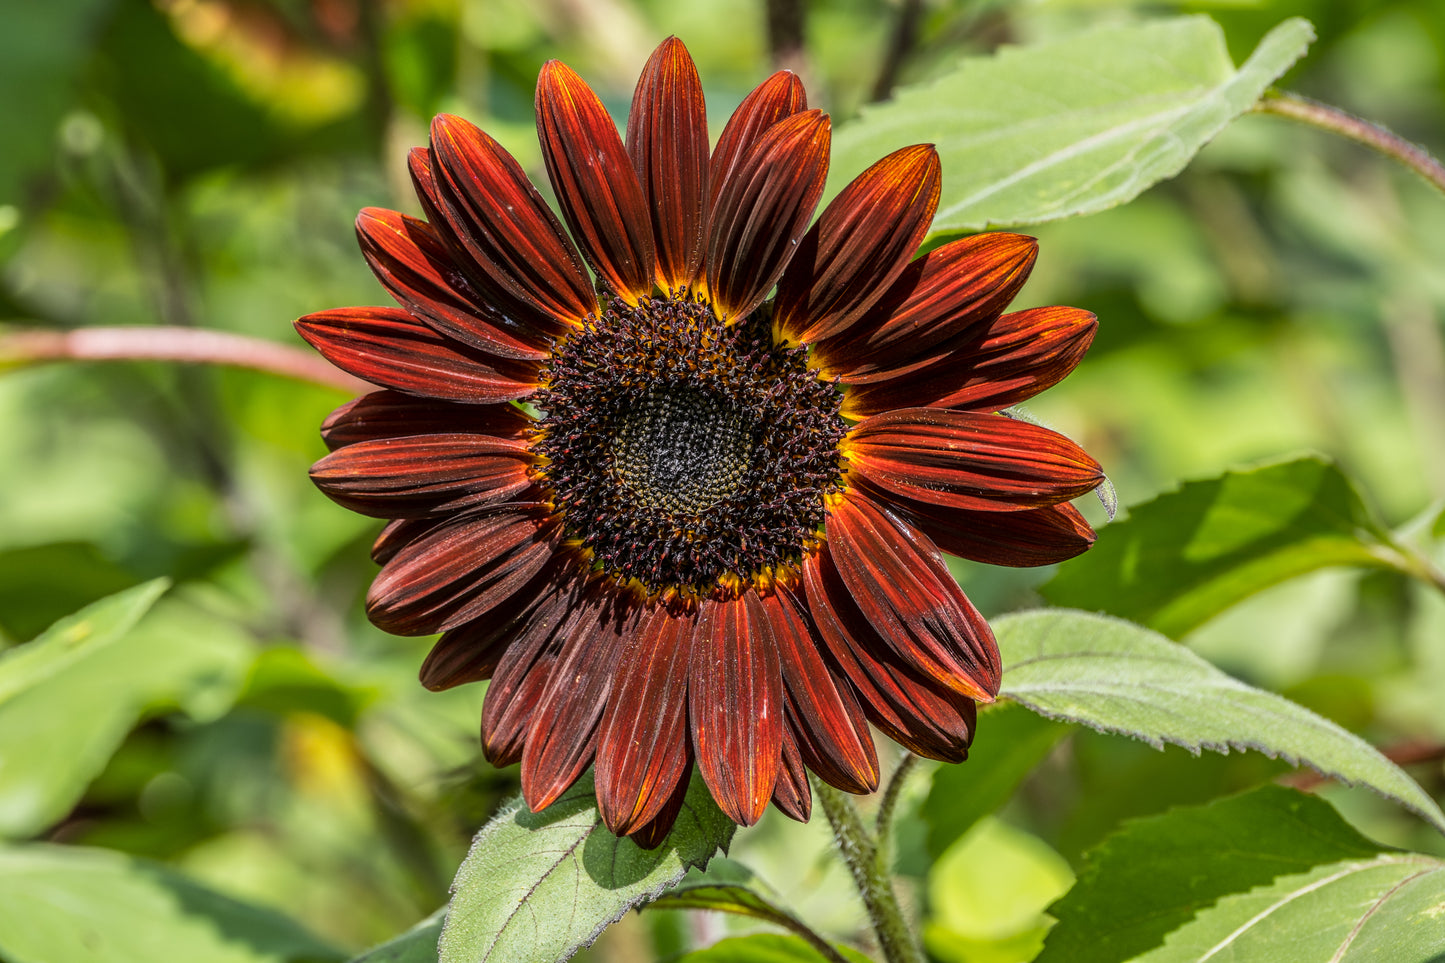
<point x="711" y="535"/>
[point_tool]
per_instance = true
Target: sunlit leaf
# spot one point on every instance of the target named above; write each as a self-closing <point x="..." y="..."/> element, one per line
<point x="1189" y="554"/>
<point x="540" y="886"/>
<point x="63" y="904"/>
<point x="1154" y="875"/>
<point x="1114" y="676"/>
<point x="1070" y="126"/>
<point x="1012" y="742"/>
<point x="57" y="734"/>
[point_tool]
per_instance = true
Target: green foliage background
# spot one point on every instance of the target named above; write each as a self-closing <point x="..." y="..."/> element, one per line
<point x="249" y="762"/>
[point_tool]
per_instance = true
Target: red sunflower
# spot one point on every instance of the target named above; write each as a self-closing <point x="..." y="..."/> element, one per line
<point x="710" y="535"/>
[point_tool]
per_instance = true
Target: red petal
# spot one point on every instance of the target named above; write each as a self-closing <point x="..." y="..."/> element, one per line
<point x="916" y="713"/>
<point x="655" y="833"/>
<point x="424" y="474"/>
<point x="525" y="668"/>
<point x="390" y="414"/>
<point x="389" y="347"/>
<point x="462" y="570"/>
<point x="667" y="138"/>
<point x="472" y="652"/>
<point x="859" y="245"/>
<point x="831" y="729"/>
<point x="763" y="209"/>
<point x="899" y="582"/>
<point x="521" y="258"/>
<point x="399" y="533"/>
<point x="417" y="268"/>
<point x="643" y="749"/>
<point x="594" y="182"/>
<point x="792" y="794"/>
<point x="1033" y="536"/>
<point x="952" y="290"/>
<point x="1010" y="361"/>
<point x="735" y="700"/>
<point x="562" y="738"/>
<point x="962" y="459"/>
<point x="780" y="96"/>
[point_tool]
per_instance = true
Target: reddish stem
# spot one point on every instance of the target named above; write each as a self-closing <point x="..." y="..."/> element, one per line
<point x="186" y="345"/>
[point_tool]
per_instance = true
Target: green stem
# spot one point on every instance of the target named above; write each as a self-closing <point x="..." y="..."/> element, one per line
<point x="883" y="826"/>
<point x="867" y="862"/>
<point x="23" y="346"/>
<point x="1337" y="121"/>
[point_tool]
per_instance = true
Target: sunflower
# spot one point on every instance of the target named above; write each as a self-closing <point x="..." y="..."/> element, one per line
<point x="676" y="522"/>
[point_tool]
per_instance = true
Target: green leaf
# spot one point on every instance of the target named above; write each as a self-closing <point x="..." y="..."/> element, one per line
<point x="1188" y="555"/>
<point x="1070" y="126"/>
<point x="1386" y="908"/>
<point x="540" y="886"/>
<point x="59" y="733"/>
<point x="1114" y="676"/>
<point x="765" y="948"/>
<point x="42" y="583"/>
<point x="960" y="796"/>
<point x="74" y="637"/>
<point x="416" y="945"/>
<point x="63" y="904"/>
<point x="1157" y="873"/>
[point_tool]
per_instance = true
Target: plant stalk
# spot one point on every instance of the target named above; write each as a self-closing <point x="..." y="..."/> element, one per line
<point x="867" y="860"/>
<point x="22" y="346"/>
<point x="1337" y="121"/>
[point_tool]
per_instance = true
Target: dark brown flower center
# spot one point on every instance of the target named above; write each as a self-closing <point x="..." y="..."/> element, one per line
<point x="687" y="454"/>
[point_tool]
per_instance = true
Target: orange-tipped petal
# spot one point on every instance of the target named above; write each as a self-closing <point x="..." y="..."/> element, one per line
<point x="735" y="701"/>
<point x="419" y="475"/>
<point x="667" y="139"/>
<point x="1006" y="362"/>
<point x="827" y="720"/>
<point x="780" y="96"/>
<point x="939" y="297"/>
<point x="390" y="348"/>
<point x="643" y="749"/>
<point x="462" y="570"/>
<point x="792" y="795"/>
<point x="520" y="257"/>
<point x="595" y="184"/>
<point x="762" y="211"/>
<point x="897" y="579"/>
<point x="967" y="460"/>
<point x="859" y="245"/>
<point x="418" y="269"/>
<point x="913" y="711"/>
<point x="391" y="414"/>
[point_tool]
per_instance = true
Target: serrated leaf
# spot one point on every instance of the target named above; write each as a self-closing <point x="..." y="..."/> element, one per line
<point x="416" y="945"/>
<point x="1015" y="741"/>
<point x="1071" y="126"/>
<point x="540" y="886"/>
<point x="1155" y="874"/>
<point x="59" y="733"/>
<point x="66" y="903"/>
<point x="75" y="636"/>
<point x="1187" y="555"/>
<point x="1115" y="676"/>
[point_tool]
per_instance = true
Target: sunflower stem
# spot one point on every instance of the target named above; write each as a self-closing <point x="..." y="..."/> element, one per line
<point x="888" y="805"/>
<point x="26" y="346"/>
<point x="1337" y="121"/>
<point x="867" y="859"/>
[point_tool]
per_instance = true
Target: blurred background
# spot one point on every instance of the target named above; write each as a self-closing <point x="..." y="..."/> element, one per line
<point x="200" y="162"/>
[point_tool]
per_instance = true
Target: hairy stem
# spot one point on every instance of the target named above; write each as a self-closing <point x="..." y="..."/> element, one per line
<point x="1337" y="121"/>
<point x="883" y="826"/>
<point x="867" y="862"/>
<point x="162" y="343"/>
